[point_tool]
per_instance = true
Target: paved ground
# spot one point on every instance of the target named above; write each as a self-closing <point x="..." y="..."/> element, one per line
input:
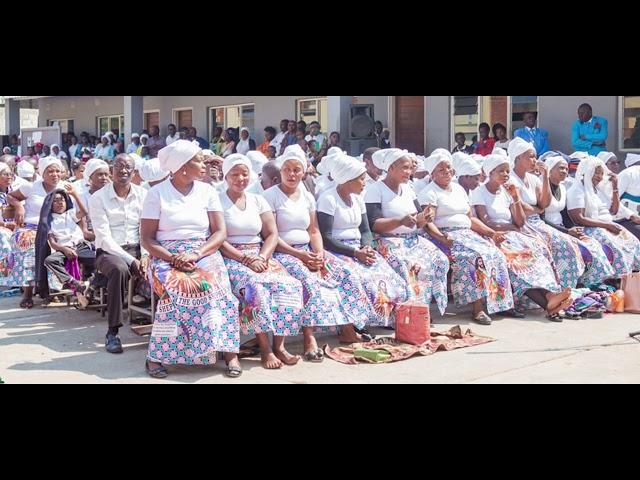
<point x="61" y="345"/>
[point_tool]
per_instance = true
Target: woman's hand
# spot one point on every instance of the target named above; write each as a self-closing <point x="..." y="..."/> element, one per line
<point x="578" y="232"/>
<point x="19" y="216"/>
<point x="513" y="191"/>
<point x="410" y="221"/>
<point x="614" y="228"/>
<point x="366" y="256"/>
<point x="499" y="237"/>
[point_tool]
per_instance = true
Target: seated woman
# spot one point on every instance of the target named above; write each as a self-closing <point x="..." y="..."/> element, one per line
<point x="592" y="203"/>
<point x="60" y="242"/>
<point x="397" y="218"/>
<point x="468" y="172"/>
<point x="629" y="186"/>
<point x="480" y="270"/>
<point x="599" y="267"/>
<point x="342" y="217"/>
<point x="333" y="295"/>
<point x="20" y="266"/>
<point x="270" y="298"/>
<point x="183" y="228"/>
<point x="536" y="197"/>
<point x="499" y="206"/>
<point x="6" y="217"/>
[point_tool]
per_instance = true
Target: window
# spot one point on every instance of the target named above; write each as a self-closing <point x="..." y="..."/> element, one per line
<point x="630" y="123"/>
<point x="465" y="118"/>
<point x="233" y="116"/>
<point x="469" y="112"/>
<point x="111" y="123"/>
<point x="313" y="110"/>
<point x="66" y="126"/>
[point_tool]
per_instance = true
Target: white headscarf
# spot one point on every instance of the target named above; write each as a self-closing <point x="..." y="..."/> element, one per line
<point x="552" y="162"/>
<point x="632" y="159"/>
<point x="326" y="165"/>
<point x="173" y="157"/>
<point x="492" y="162"/>
<point x="606" y="156"/>
<point x="384" y="159"/>
<point x="235" y="160"/>
<point x="135" y="135"/>
<point x="107" y="137"/>
<point x="94" y="165"/>
<point x="579" y="155"/>
<point x="4" y="166"/>
<point x="436" y="158"/>
<point x="46" y="162"/>
<point x="138" y="161"/>
<point x="517" y="147"/>
<point x="243" y="146"/>
<point x="346" y="169"/>
<point x="145" y="136"/>
<point x="584" y="175"/>
<point x="150" y="171"/>
<point x="258" y="160"/>
<point x="294" y="152"/>
<point x="6" y="151"/>
<point x="467" y="167"/>
<point x="500" y="151"/>
<point x="25" y="169"/>
<point x="422" y="166"/>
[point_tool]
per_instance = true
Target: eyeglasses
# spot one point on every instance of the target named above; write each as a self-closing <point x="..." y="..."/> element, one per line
<point x="121" y="167"/>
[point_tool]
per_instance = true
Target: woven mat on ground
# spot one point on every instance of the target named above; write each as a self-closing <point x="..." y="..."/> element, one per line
<point x="388" y="350"/>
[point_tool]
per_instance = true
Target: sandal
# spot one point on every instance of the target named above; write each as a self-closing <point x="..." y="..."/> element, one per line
<point x="556" y="318"/>
<point x="160" y="371"/>
<point x="316" y="356"/>
<point x="26" y="304"/>
<point x="233" y="372"/>
<point x="482" y="319"/>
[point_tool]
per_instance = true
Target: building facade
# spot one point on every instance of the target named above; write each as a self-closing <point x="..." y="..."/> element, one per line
<point x="418" y="123"/>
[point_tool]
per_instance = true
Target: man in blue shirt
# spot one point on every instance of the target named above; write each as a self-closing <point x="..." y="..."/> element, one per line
<point x="538" y="136"/>
<point x="590" y="133"/>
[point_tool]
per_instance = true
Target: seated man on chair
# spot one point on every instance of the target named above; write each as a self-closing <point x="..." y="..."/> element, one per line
<point x="115" y="213"/>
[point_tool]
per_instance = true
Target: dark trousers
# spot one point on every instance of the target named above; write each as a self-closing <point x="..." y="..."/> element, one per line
<point x="632" y="227"/>
<point x="117" y="272"/>
<point x="56" y="261"/>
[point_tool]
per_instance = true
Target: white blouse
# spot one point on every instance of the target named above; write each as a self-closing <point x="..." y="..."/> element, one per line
<point x="244" y="226"/>
<point x="452" y="207"/>
<point x="293" y="217"/>
<point x="393" y="205"/>
<point x="182" y="217"/>
<point x="553" y="213"/>
<point x="346" y="219"/>
<point x="498" y="206"/>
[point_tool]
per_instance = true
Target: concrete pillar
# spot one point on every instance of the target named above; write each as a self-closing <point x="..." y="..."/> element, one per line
<point x="11" y="117"/>
<point x="339" y="113"/>
<point x="133" y="117"/>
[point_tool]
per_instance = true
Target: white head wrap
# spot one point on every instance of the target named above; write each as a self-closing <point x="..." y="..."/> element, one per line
<point x="500" y="151"/>
<point x="235" y="160"/>
<point x="294" y="152"/>
<point x="150" y="171"/>
<point x="93" y="165"/>
<point x="55" y="145"/>
<point x="258" y="160"/>
<point x="492" y="162"/>
<point x="328" y="162"/>
<point x="107" y="137"/>
<point x="606" y="156"/>
<point x="46" y="162"/>
<point x="25" y="169"/>
<point x="579" y="155"/>
<point x="173" y="157"/>
<point x="346" y="169"/>
<point x="135" y="135"/>
<point x="584" y="175"/>
<point x="422" y="166"/>
<point x="208" y="153"/>
<point x="6" y="151"/>
<point x="467" y="167"/>
<point x="632" y="159"/>
<point x="4" y="166"/>
<point x="145" y="136"/>
<point x="138" y="161"/>
<point x="552" y="162"/>
<point x="517" y="147"/>
<point x="436" y="158"/>
<point x="384" y="159"/>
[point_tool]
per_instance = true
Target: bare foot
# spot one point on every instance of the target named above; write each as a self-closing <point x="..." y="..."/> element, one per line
<point x="563" y="306"/>
<point x="270" y="361"/>
<point x="557" y="299"/>
<point x="347" y="336"/>
<point x="286" y="358"/>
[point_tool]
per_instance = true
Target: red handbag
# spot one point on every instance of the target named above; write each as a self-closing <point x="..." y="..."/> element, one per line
<point x="413" y="323"/>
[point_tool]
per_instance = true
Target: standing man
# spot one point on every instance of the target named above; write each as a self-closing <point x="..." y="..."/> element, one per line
<point x="539" y="137"/>
<point x="155" y="143"/>
<point x="173" y="134"/>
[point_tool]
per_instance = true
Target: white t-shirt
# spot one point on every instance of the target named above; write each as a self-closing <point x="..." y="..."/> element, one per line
<point x="529" y="194"/>
<point x="244" y="226"/>
<point x="553" y="213"/>
<point x="393" y="205"/>
<point x="346" y="219"/>
<point x="256" y="188"/>
<point x="629" y="181"/>
<point x="35" y="195"/>
<point x="171" y="139"/>
<point x="182" y="217"/>
<point x="452" y="207"/>
<point x="65" y="228"/>
<point x="576" y="200"/>
<point x="292" y="217"/>
<point x="498" y="206"/>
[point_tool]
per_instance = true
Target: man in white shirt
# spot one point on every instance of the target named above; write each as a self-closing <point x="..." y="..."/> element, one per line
<point x="279" y="138"/>
<point x="115" y="212"/>
<point x="173" y="134"/>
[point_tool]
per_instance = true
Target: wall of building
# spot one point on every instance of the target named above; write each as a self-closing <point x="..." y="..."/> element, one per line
<point x="28" y="119"/>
